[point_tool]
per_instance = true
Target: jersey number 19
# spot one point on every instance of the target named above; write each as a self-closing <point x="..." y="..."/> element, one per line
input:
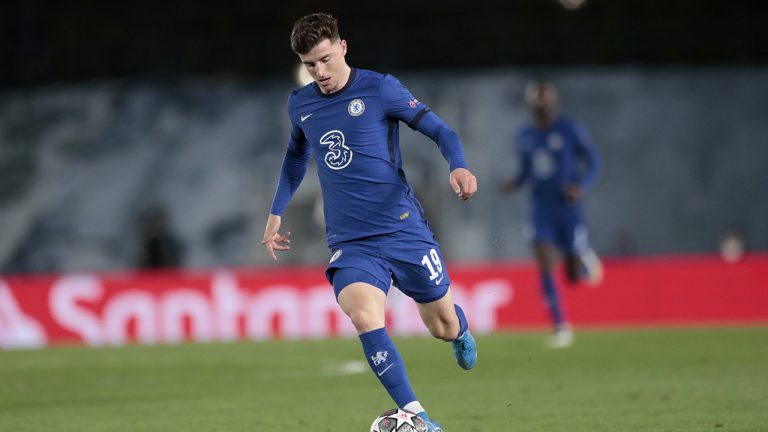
<point x="435" y="259"/>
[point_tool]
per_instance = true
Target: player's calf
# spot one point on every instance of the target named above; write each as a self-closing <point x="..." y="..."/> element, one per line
<point x="573" y="269"/>
<point x="444" y="329"/>
<point x="584" y="267"/>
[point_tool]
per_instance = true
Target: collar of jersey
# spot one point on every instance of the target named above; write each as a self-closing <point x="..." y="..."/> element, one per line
<point x="352" y="74"/>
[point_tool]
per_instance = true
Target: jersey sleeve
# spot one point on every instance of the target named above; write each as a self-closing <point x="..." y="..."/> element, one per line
<point x="399" y="104"/>
<point x="294" y="168"/>
<point x="586" y="150"/>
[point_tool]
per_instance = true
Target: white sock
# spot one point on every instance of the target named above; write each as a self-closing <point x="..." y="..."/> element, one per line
<point x="414" y="407"/>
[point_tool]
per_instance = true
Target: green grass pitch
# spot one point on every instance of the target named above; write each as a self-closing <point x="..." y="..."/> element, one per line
<point x="712" y="379"/>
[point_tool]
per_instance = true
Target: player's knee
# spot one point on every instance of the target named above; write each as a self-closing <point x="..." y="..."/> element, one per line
<point x="366" y="320"/>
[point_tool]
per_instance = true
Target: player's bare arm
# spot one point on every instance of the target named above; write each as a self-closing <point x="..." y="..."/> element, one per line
<point x="272" y="240"/>
<point x="464" y="183"/>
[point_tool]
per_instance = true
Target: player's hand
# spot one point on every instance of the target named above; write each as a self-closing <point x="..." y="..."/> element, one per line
<point x="272" y="240"/>
<point x="464" y="183"/>
<point x="573" y="193"/>
<point x="507" y="186"/>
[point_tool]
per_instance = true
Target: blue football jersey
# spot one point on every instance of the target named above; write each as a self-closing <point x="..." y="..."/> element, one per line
<point x="553" y="158"/>
<point x="353" y="137"/>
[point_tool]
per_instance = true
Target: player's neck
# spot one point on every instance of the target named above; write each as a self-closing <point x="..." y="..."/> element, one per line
<point x="544" y="122"/>
<point x="343" y="79"/>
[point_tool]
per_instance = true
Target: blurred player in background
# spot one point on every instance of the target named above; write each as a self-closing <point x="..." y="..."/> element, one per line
<point x="559" y="161"/>
<point x="347" y="120"/>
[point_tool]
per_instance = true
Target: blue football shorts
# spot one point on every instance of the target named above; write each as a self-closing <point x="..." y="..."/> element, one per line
<point x="409" y="259"/>
<point x="566" y="230"/>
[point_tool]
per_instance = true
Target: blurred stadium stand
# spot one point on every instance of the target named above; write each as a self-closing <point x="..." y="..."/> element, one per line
<point x="110" y="109"/>
<point x="50" y="41"/>
<point x="684" y="152"/>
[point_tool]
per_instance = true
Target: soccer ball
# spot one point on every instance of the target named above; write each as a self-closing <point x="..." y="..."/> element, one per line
<point x="397" y="420"/>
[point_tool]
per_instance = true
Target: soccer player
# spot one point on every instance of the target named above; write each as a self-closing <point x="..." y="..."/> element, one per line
<point x="347" y="120"/>
<point x="559" y="161"/>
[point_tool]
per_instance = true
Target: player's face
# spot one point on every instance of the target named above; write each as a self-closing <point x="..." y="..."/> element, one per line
<point x="326" y="64"/>
<point x="543" y="102"/>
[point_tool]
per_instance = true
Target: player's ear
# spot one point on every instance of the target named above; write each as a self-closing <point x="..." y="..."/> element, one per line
<point x="343" y="47"/>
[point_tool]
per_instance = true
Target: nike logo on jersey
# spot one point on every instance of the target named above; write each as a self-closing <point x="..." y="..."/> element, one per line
<point x="304" y="117"/>
<point x="385" y="369"/>
<point x="440" y="279"/>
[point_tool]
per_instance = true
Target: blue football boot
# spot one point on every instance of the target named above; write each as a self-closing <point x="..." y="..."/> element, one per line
<point x="432" y="425"/>
<point x="465" y="350"/>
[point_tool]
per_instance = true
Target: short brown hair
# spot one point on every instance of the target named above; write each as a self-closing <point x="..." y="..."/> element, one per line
<point x="312" y="29"/>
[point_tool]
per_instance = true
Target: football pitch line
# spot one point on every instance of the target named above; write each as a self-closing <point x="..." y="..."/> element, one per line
<point x="330" y="370"/>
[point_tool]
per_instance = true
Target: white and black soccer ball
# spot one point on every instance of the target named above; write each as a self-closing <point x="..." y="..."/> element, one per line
<point x="397" y="420"/>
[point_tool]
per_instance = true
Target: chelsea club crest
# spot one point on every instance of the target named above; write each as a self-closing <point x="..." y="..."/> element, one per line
<point x="356" y="107"/>
<point x="555" y="142"/>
